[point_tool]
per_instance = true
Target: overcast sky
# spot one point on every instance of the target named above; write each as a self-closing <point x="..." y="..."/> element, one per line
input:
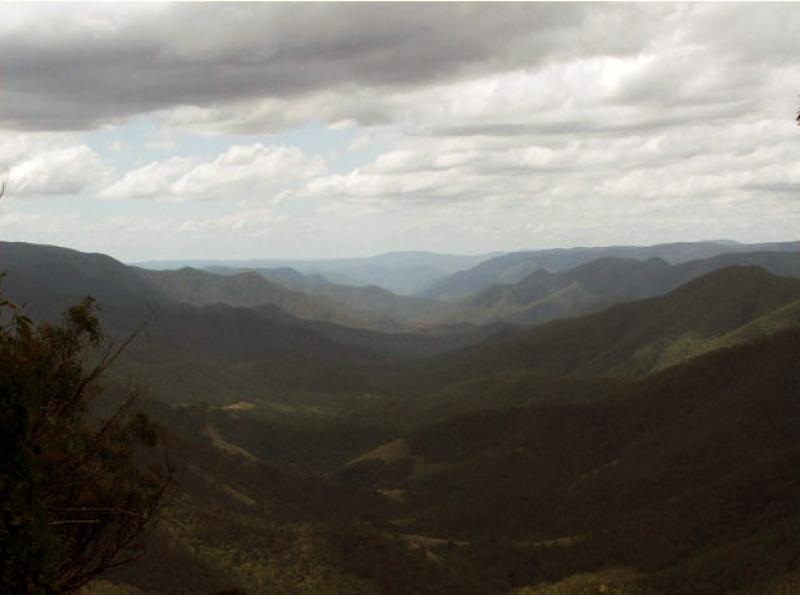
<point x="272" y="130"/>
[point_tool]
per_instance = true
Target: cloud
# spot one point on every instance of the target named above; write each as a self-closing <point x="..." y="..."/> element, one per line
<point x="62" y="171"/>
<point x="260" y="67"/>
<point x="241" y="171"/>
<point x="684" y="168"/>
<point x="67" y="69"/>
<point x="256" y="221"/>
<point x="466" y="126"/>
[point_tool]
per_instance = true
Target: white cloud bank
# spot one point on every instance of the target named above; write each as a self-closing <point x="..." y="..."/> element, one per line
<point x="242" y="170"/>
<point x="474" y="127"/>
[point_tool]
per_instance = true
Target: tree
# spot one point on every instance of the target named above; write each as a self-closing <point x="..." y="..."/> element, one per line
<point x="77" y="492"/>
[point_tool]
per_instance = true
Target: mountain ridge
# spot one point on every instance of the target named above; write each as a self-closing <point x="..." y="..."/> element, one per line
<point x="513" y="267"/>
<point x="545" y="295"/>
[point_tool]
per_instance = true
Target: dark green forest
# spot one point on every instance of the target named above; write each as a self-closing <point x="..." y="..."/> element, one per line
<point x="622" y="420"/>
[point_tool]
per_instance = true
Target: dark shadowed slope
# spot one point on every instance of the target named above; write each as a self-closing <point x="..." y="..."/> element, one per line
<point x="688" y="477"/>
<point x="49" y="279"/>
<point x="242" y="522"/>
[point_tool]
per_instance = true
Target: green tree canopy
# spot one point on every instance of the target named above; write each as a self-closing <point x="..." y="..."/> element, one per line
<point x="76" y="492"/>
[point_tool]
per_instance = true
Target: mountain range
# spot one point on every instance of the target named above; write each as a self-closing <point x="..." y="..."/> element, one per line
<point x="400" y="272"/>
<point x="606" y="421"/>
<point x="515" y="266"/>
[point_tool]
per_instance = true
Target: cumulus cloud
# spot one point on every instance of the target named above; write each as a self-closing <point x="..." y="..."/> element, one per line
<point x="468" y="126"/>
<point x="641" y="179"/>
<point x="242" y="170"/>
<point x="64" y="171"/>
<point x="49" y="164"/>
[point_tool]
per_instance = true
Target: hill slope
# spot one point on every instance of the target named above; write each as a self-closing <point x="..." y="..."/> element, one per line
<point x="543" y="295"/>
<point x="685" y="476"/>
<point x="370" y="302"/>
<point x="250" y="289"/>
<point x="399" y="272"/>
<point x="632" y="338"/>
<point x="512" y="268"/>
<point x="688" y="476"/>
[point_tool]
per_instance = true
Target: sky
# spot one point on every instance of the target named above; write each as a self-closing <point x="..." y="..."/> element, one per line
<point x="225" y="130"/>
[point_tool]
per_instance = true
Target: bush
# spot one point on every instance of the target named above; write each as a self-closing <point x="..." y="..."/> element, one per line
<point x="76" y="493"/>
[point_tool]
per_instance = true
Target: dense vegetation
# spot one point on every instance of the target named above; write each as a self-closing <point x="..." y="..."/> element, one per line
<point x="76" y="496"/>
<point x="649" y="447"/>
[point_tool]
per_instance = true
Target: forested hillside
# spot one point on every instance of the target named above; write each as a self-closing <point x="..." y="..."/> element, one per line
<point x="512" y="268"/>
<point x="643" y="446"/>
<point x="543" y="295"/>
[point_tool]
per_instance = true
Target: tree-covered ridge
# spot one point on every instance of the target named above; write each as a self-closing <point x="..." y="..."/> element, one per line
<point x="545" y="295"/>
<point x="313" y="457"/>
<point x="676" y="476"/>
<point x="637" y="337"/>
<point x="514" y="267"/>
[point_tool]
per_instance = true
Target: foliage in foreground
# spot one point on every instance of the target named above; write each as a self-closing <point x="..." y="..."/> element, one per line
<point x="76" y="492"/>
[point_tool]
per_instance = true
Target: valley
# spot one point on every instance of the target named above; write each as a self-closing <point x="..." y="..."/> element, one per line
<point x="639" y="433"/>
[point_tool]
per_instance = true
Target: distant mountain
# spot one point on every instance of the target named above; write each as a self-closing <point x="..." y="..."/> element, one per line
<point x="650" y="447"/>
<point x="250" y="289"/>
<point x="632" y="338"/>
<point x="400" y="272"/>
<point x="285" y="275"/>
<point x="539" y="297"/>
<point x="543" y="295"/>
<point x="513" y="267"/>
<point x="50" y="279"/>
<point x="373" y="303"/>
<point x="193" y="309"/>
<point x="213" y="337"/>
